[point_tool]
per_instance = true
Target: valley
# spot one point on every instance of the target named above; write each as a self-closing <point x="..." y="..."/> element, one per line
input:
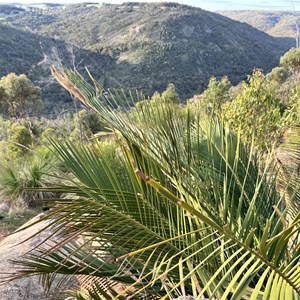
<point x="138" y="46"/>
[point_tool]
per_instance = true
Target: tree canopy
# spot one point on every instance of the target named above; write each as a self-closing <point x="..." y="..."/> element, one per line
<point x="216" y="94"/>
<point x="255" y="111"/>
<point x="291" y="59"/>
<point x="19" y="97"/>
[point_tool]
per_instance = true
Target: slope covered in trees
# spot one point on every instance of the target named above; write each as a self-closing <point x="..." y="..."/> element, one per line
<point x="275" y="23"/>
<point x="147" y="46"/>
<point x="23" y="53"/>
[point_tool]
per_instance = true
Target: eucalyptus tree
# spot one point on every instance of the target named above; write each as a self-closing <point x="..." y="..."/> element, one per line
<point x="21" y="98"/>
<point x="216" y="94"/>
<point x="256" y="112"/>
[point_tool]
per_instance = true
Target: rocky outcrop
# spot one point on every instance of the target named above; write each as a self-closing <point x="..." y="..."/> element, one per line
<point x="12" y="248"/>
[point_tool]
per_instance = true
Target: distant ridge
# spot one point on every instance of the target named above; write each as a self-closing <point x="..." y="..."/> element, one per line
<point x="275" y="23"/>
<point x="30" y="4"/>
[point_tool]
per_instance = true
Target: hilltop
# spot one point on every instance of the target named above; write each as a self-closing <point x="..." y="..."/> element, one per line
<point x="146" y="46"/>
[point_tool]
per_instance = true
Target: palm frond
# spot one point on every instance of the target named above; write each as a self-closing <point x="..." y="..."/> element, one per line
<point x="195" y="211"/>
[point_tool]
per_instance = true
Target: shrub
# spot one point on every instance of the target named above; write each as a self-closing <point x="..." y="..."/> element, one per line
<point x="18" y="181"/>
<point x="216" y="94"/>
<point x="47" y="134"/>
<point x="91" y="122"/>
<point x="20" y="139"/>
<point x="278" y="74"/>
<point x="255" y="112"/>
<point x="291" y="59"/>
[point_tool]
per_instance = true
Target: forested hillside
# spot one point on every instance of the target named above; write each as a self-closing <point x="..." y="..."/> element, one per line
<point x="275" y="23"/>
<point x="147" y="46"/>
<point x="23" y="53"/>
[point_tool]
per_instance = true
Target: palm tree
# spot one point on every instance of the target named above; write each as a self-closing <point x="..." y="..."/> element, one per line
<point x="187" y="209"/>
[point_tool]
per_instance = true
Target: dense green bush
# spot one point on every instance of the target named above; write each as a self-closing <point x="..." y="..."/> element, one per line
<point x="47" y="134"/>
<point x="20" y="98"/>
<point x="256" y="112"/>
<point x="90" y="121"/>
<point x="291" y="59"/>
<point x="278" y="74"/>
<point x="216" y="94"/>
<point x="158" y="110"/>
<point x="17" y="180"/>
<point x="20" y="139"/>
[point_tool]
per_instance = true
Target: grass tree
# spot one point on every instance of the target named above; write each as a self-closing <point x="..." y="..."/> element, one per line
<point x="20" y="180"/>
<point x="188" y="209"/>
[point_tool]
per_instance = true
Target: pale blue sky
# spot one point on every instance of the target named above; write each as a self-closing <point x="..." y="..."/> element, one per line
<point x="205" y="4"/>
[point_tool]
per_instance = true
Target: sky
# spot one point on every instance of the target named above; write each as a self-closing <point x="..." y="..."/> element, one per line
<point x="205" y="4"/>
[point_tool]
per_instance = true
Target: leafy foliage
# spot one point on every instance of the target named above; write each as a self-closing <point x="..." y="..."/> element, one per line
<point x="256" y="112"/>
<point x="20" y="139"/>
<point x="18" y="180"/>
<point x="279" y="74"/>
<point x="216" y="94"/>
<point x="291" y="59"/>
<point x="170" y="95"/>
<point x="20" y="96"/>
<point x="90" y="121"/>
<point x="157" y="110"/>
<point x="284" y="80"/>
<point x="294" y="107"/>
